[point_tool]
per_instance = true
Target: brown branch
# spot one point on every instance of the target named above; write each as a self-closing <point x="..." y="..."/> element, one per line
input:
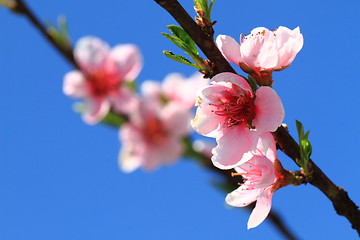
<point x="343" y="205"/>
<point x="204" y="41"/>
<point x="22" y="8"/>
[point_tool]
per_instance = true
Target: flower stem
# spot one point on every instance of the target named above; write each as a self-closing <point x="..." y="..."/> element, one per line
<point x="21" y="7"/>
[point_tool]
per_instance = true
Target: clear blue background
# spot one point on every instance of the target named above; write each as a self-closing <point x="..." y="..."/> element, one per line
<point x="59" y="177"/>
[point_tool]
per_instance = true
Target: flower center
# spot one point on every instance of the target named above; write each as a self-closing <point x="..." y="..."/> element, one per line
<point x="101" y="83"/>
<point x="154" y="131"/>
<point x="236" y="109"/>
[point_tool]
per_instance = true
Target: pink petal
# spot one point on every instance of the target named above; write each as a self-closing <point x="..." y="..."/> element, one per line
<point x="229" y="48"/>
<point x="176" y="119"/>
<point x="267" y="171"/>
<point x="173" y="84"/>
<point x="75" y="85"/>
<point x="233" y="78"/>
<point x="266" y="146"/>
<point x="268" y="55"/>
<point x="235" y="146"/>
<point x="128" y="60"/>
<point x="241" y="197"/>
<point x="166" y="153"/>
<point x="262" y="208"/>
<point x="123" y="100"/>
<point x="90" y="53"/>
<point x="151" y="89"/>
<point x="205" y="125"/>
<point x="130" y="156"/>
<point x="97" y="109"/>
<point x="177" y="88"/>
<point x="269" y="110"/>
<point x="289" y="43"/>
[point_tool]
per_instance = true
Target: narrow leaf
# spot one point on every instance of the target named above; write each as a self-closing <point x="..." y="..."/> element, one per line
<point x="182" y="35"/>
<point x="179" y="58"/>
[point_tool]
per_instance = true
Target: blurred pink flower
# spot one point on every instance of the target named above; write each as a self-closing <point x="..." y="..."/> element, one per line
<point x="176" y="88"/>
<point x="102" y="77"/>
<point x="229" y="111"/>
<point x="260" y="178"/>
<point x="263" y="51"/>
<point x="153" y="135"/>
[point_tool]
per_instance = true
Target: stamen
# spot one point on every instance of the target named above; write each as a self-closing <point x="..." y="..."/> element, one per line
<point x="235" y="174"/>
<point x="235" y="108"/>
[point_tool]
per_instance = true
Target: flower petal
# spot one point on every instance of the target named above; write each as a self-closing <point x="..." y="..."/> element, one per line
<point x="123" y="100"/>
<point x="90" y="53"/>
<point x="166" y="153"/>
<point x="267" y="171"/>
<point x="235" y="146"/>
<point x="75" y="85"/>
<point x="262" y="208"/>
<point x="176" y="119"/>
<point x="269" y="110"/>
<point x="130" y="155"/>
<point x="96" y="110"/>
<point x="229" y="48"/>
<point x="241" y="197"/>
<point x="128" y="61"/>
<point x="233" y="78"/>
<point x="266" y="146"/>
<point x="205" y="125"/>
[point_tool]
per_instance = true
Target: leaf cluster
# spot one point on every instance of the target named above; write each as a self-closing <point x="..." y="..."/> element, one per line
<point x="182" y="40"/>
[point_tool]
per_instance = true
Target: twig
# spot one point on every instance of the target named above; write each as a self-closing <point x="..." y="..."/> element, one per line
<point x="343" y="205"/>
<point x="21" y="8"/>
<point x="206" y="42"/>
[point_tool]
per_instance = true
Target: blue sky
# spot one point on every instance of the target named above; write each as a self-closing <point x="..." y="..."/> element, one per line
<point x="59" y="177"/>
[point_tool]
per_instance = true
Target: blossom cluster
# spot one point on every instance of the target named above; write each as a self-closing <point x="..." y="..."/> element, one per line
<point x="157" y="119"/>
<point x="242" y="118"/>
<point x="239" y="115"/>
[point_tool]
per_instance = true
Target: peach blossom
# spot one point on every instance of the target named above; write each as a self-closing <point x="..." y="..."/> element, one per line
<point x="153" y="135"/>
<point x="259" y="176"/>
<point x="175" y="88"/>
<point x="101" y="79"/>
<point x="229" y="111"/>
<point x="263" y="51"/>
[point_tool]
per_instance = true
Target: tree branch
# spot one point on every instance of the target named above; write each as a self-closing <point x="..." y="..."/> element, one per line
<point x="22" y="8"/>
<point x="343" y="205"/>
<point x="204" y="41"/>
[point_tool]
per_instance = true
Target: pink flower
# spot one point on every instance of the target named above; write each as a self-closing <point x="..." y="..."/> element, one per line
<point x="102" y="77"/>
<point x="229" y="111"/>
<point x="153" y="135"/>
<point x="262" y="51"/>
<point x="260" y="178"/>
<point x="176" y="88"/>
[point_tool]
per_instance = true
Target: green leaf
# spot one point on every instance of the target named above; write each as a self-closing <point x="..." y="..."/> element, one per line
<point x="177" y="41"/>
<point x="210" y="8"/>
<point x="113" y="119"/>
<point x="205" y="7"/>
<point x="305" y="147"/>
<point x="251" y="81"/>
<point x="300" y="129"/>
<point x="183" y="36"/>
<point x="179" y="58"/>
<point x="60" y="33"/>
